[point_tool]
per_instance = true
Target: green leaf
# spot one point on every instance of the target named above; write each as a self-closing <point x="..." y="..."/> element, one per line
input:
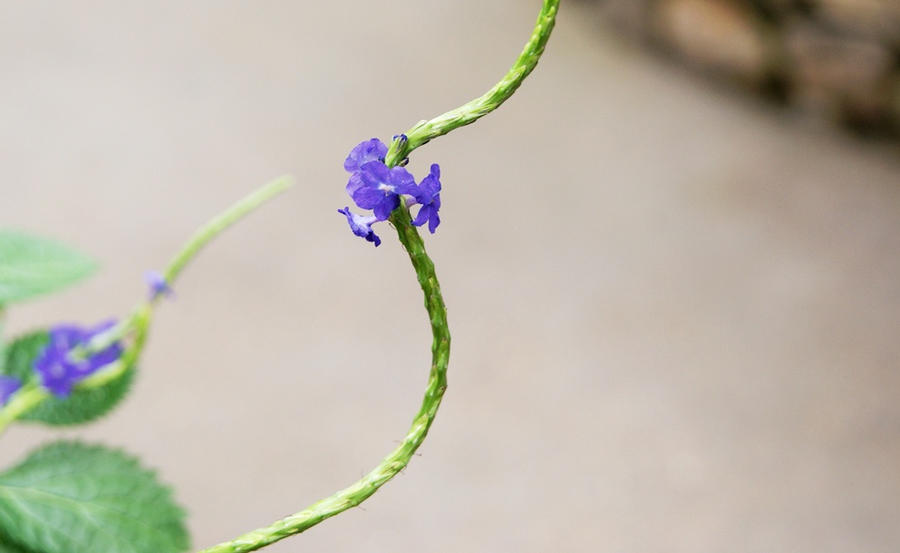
<point x="21" y="353"/>
<point x="6" y="547"/>
<point x="73" y="498"/>
<point x="30" y="266"/>
<point x="83" y="405"/>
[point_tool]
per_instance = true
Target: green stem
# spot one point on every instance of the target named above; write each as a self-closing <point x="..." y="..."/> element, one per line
<point x="26" y="399"/>
<point x="409" y="236"/>
<point x="215" y="227"/>
<point x="203" y="236"/>
<point x="467" y="114"/>
<point x="400" y="457"/>
<point x="138" y="322"/>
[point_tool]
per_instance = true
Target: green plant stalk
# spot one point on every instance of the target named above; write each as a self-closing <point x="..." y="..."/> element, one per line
<point x="355" y="494"/>
<point x="411" y="240"/>
<point x="424" y="131"/>
<point x="138" y="322"/>
<point x="203" y="236"/>
<point x="216" y="226"/>
<point x="26" y="399"/>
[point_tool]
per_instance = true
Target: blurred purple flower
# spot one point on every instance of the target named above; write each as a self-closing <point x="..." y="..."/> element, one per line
<point x="158" y="285"/>
<point x="8" y="386"/>
<point x="58" y="372"/>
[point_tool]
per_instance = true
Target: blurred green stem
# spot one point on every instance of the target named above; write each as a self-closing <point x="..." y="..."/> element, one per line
<point x="137" y="323"/>
<point x="216" y="226"/>
<point x="409" y="236"/>
<point x="203" y="236"/>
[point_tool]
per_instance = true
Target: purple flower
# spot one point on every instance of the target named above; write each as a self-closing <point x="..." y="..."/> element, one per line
<point x="378" y="188"/>
<point x="364" y="152"/>
<point x="8" y="386"/>
<point x="361" y="226"/>
<point x="58" y="371"/>
<point x="428" y="194"/>
<point x="373" y="185"/>
<point x="158" y="285"/>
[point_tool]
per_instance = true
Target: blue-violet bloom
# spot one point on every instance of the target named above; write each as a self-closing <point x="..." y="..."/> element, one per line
<point x="364" y="152"/>
<point x="8" y="386"/>
<point x="429" y="195"/>
<point x="58" y="371"/>
<point x="378" y="188"/>
<point x="361" y="226"/>
<point x="158" y="285"/>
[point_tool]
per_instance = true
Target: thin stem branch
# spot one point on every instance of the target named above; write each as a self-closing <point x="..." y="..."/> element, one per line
<point x="216" y="226"/>
<point x="138" y="322"/>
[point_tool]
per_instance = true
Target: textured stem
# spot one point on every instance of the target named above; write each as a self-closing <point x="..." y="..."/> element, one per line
<point x="467" y="114"/>
<point x="400" y="457"/>
<point x="440" y="348"/>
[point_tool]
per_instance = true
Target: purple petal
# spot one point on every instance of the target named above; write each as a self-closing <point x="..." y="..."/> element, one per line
<point x="423" y="215"/>
<point x="66" y="336"/>
<point x="361" y="226"/>
<point x="374" y="173"/>
<point x="430" y="186"/>
<point x="368" y="198"/>
<point x="8" y="386"/>
<point x="364" y="152"/>
<point x="105" y="357"/>
<point x="157" y="284"/>
<point x="56" y="374"/>
<point x="433" y="222"/>
<point x="389" y="204"/>
<point x="58" y="371"/>
<point x="354" y="184"/>
<point x="400" y="177"/>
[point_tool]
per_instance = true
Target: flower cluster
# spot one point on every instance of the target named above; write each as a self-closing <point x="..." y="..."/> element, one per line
<point x="59" y="370"/>
<point x="373" y="185"/>
<point x="8" y="386"/>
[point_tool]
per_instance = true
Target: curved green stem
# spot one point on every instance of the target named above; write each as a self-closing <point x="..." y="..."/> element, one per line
<point x="203" y="236"/>
<point x="138" y="322"/>
<point x="26" y="399"/>
<point x="409" y="236"/>
<point x="400" y="457"/>
<point x="216" y="226"/>
<point x="467" y="114"/>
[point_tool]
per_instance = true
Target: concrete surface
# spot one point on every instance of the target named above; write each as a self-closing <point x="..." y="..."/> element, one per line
<point x="675" y="314"/>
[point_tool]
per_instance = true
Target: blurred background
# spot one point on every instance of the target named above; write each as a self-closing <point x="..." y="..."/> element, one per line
<point x="834" y="59"/>
<point x="671" y="263"/>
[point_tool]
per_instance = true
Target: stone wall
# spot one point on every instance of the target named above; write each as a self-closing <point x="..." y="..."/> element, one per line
<point x="838" y="59"/>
